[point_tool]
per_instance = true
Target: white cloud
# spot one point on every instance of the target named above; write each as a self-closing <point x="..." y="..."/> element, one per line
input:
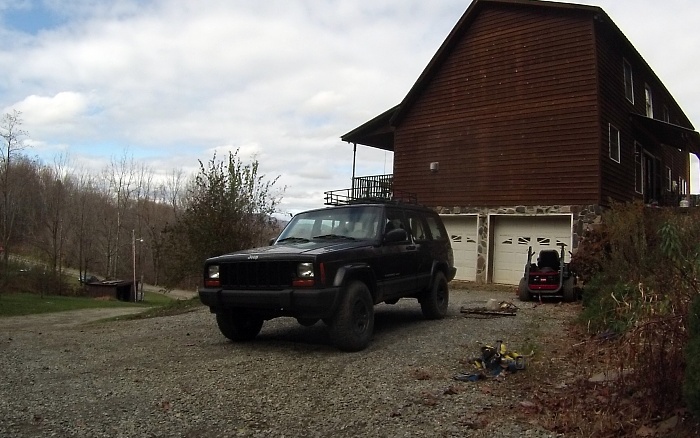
<point x="282" y="81"/>
<point x="64" y="107"/>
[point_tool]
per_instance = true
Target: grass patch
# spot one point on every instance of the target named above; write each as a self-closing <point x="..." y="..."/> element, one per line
<point x="28" y="304"/>
<point x="174" y="307"/>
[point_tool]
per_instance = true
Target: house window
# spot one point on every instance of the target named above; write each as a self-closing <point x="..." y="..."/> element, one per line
<point x="638" y="169"/>
<point x="648" y="101"/>
<point x="669" y="180"/>
<point x="683" y="186"/>
<point x="629" y="86"/>
<point x="666" y="115"/>
<point x="614" y="143"/>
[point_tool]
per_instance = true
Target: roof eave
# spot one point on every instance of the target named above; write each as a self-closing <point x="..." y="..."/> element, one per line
<point x="669" y="134"/>
<point x="376" y="132"/>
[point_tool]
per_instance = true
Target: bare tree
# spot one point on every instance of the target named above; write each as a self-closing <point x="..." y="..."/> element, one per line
<point x="172" y="191"/>
<point x="120" y="177"/>
<point x="159" y="214"/>
<point x="84" y="202"/>
<point x="52" y="214"/>
<point x="13" y="142"/>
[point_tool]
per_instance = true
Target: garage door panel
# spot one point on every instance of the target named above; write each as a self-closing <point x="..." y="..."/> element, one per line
<point x="463" y="236"/>
<point x="514" y="235"/>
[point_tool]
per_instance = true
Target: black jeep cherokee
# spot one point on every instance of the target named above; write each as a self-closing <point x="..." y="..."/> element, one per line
<point x="334" y="264"/>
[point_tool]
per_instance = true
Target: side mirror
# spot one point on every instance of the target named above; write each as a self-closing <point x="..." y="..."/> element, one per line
<point x="396" y="235"/>
<point x="272" y="241"/>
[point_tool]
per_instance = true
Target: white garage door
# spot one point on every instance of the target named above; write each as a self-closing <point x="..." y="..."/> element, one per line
<point x="512" y="237"/>
<point x="463" y="234"/>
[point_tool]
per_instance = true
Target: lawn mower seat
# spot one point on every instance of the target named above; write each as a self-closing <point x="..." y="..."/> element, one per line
<point x="548" y="260"/>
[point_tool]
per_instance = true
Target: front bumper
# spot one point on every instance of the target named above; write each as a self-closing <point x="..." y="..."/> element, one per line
<point x="299" y="303"/>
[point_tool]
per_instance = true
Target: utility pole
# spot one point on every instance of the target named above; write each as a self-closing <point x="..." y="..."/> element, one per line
<point x="133" y="258"/>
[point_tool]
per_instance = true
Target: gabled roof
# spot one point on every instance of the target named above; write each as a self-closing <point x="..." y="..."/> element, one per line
<point x="454" y="37"/>
<point x="378" y="132"/>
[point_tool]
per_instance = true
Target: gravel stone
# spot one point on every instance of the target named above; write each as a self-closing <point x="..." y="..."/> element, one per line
<point x="179" y="377"/>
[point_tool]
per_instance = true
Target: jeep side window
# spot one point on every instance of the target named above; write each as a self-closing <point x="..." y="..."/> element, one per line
<point x="394" y="220"/>
<point x="416" y="225"/>
<point x="436" y="229"/>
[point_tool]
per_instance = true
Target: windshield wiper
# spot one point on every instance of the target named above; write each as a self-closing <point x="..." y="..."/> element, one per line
<point x="294" y="239"/>
<point x="334" y="236"/>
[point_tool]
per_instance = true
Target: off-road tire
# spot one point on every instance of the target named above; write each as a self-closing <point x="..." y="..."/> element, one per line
<point x="523" y="293"/>
<point x="352" y="326"/>
<point x="568" y="290"/>
<point x="434" y="301"/>
<point x="238" y="326"/>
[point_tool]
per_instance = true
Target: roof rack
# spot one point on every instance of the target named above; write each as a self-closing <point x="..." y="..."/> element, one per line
<point x="356" y="196"/>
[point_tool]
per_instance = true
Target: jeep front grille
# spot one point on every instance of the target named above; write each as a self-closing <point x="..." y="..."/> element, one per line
<point x="257" y="274"/>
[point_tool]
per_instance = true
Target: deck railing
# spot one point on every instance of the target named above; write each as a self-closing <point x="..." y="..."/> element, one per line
<point x="376" y="188"/>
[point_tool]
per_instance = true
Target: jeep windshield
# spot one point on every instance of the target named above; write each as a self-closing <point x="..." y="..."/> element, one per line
<point x="343" y="223"/>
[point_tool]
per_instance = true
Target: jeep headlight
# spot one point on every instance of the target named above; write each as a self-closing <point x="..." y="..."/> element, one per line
<point x="211" y="276"/>
<point x="305" y="270"/>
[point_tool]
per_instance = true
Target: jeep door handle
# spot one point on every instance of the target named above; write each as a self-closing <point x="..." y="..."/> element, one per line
<point x="411" y="248"/>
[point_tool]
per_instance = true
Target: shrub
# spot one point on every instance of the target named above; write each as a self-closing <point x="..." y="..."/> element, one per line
<point x="691" y="386"/>
<point x="36" y="279"/>
<point x="609" y="307"/>
<point x="643" y="266"/>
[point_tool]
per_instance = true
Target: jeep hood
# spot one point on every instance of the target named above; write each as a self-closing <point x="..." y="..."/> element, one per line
<point x="312" y="248"/>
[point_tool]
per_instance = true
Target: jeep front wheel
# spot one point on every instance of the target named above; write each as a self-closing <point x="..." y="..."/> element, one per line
<point x="238" y="326"/>
<point x="434" y="301"/>
<point x="353" y="324"/>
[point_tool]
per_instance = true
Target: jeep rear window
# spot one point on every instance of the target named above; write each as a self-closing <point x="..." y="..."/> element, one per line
<point x="343" y="222"/>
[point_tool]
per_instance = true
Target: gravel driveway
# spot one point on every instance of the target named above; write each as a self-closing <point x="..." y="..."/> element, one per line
<point x="179" y="377"/>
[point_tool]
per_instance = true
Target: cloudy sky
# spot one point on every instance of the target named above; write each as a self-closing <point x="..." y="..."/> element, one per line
<point x="172" y="81"/>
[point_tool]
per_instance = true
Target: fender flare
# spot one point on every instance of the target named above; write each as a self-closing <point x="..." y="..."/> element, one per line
<point x="351" y="270"/>
<point x="439" y="266"/>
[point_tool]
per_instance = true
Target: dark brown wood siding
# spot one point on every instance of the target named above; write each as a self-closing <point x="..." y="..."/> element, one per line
<point x="511" y="115"/>
<point x="618" y="179"/>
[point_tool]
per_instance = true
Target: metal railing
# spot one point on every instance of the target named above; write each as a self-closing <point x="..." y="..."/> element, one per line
<point x="377" y="188"/>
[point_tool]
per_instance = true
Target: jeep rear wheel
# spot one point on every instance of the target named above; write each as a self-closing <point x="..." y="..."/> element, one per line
<point x="239" y="327"/>
<point x="434" y="301"/>
<point x="353" y="324"/>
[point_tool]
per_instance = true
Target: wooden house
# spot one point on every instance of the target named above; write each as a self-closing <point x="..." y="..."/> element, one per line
<point x="531" y="118"/>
